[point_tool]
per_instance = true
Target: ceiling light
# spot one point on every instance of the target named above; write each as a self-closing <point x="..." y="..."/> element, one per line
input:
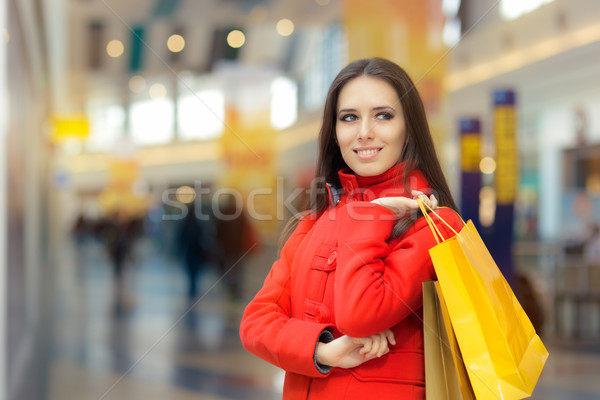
<point x="115" y="48"/>
<point x="185" y="194"/>
<point x="157" y="91"/>
<point x="176" y="43"/>
<point x="236" y="39"/>
<point x="487" y="165"/>
<point x="285" y="27"/>
<point x="137" y="84"/>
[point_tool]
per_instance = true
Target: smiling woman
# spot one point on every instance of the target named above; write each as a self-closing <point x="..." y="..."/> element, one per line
<point x="341" y="310"/>
<point x="370" y="129"/>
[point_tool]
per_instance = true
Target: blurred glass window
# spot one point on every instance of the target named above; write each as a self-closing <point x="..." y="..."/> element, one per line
<point x="200" y="115"/>
<point x="511" y="9"/>
<point x="284" y="103"/>
<point x="107" y="124"/>
<point x="151" y="121"/>
<point x="327" y="60"/>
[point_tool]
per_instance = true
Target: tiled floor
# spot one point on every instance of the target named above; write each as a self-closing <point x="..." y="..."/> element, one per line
<point x="166" y="347"/>
<point x="162" y="346"/>
<point x="571" y="373"/>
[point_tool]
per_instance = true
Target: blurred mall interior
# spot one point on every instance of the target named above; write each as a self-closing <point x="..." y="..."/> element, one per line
<point x="129" y="127"/>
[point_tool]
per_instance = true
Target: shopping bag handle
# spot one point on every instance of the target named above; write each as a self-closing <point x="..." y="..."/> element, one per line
<point x="434" y="229"/>
<point x="437" y="235"/>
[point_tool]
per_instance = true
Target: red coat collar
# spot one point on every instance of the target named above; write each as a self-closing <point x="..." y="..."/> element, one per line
<point x="390" y="183"/>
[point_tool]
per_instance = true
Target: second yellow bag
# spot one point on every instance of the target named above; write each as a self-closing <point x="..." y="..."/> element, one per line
<point x="503" y="355"/>
<point x="445" y="374"/>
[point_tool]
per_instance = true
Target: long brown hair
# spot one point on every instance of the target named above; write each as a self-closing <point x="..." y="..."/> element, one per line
<point x="419" y="153"/>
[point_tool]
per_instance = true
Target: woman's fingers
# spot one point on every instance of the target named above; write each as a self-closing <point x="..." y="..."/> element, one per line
<point x="420" y="195"/>
<point x="378" y="347"/>
<point x="385" y="337"/>
<point x="434" y="202"/>
<point x="375" y="345"/>
<point x="390" y="336"/>
<point x="367" y="345"/>
<point x="431" y="201"/>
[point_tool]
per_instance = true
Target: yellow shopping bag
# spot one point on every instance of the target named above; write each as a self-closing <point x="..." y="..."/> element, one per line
<point x="445" y="373"/>
<point x="503" y="355"/>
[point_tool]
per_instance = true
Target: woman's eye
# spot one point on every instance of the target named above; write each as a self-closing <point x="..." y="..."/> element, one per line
<point x="384" y="116"/>
<point x="349" y="118"/>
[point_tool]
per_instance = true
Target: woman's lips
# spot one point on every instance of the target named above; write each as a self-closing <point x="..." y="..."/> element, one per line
<point x="367" y="154"/>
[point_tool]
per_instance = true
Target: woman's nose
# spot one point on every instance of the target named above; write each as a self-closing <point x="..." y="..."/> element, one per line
<point x="366" y="129"/>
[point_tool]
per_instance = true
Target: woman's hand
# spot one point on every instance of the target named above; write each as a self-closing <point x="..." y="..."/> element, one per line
<point x="402" y="206"/>
<point x="348" y="352"/>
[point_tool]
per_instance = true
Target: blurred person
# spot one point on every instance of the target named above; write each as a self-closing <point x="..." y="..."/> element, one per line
<point x="591" y="250"/>
<point x="196" y="245"/>
<point x="341" y="309"/>
<point x="235" y="237"/>
<point x="119" y="233"/>
<point x="80" y="230"/>
<point x="576" y="227"/>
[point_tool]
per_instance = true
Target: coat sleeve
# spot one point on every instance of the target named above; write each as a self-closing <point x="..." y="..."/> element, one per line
<point x="268" y="331"/>
<point x="377" y="284"/>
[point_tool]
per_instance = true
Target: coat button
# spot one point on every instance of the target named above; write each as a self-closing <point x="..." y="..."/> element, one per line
<point x="348" y="189"/>
<point x="332" y="258"/>
<point x="319" y="316"/>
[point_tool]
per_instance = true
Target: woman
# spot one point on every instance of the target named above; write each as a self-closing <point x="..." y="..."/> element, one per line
<point x="341" y="310"/>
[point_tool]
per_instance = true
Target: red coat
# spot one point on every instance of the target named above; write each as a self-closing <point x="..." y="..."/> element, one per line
<point x="340" y="273"/>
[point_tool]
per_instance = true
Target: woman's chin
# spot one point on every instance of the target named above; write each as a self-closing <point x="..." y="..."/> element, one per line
<point x="367" y="171"/>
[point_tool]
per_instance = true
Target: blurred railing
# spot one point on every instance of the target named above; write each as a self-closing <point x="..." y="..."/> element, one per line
<point x="566" y="287"/>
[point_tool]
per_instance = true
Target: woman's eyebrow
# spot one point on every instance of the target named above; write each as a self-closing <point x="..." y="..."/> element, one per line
<point x="380" y="108"/>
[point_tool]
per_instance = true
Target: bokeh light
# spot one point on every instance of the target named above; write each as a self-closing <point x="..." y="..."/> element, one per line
<point x="137" y="84"/>
<point x="285" y="27"/>
<point x="157" y="91"/>
<point x="185" y="194"/>
<point x="176" y="43"/>
<point x="487" y="165"/>
<point x="487" y="206"/>
<point x="236" y="39"/>
<point x="115" y="48"/>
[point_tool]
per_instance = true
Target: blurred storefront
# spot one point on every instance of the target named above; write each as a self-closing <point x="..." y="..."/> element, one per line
<point x="223" y="98"/>
<point x="552" y="70"/>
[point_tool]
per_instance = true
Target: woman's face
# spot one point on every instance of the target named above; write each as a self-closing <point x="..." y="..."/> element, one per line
<point x="370" y="126"/>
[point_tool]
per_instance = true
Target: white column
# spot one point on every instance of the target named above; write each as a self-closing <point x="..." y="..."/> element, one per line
<point x="555" y="134"/>
<point x="3" y="221"/>
<point x="57" y="44"/>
